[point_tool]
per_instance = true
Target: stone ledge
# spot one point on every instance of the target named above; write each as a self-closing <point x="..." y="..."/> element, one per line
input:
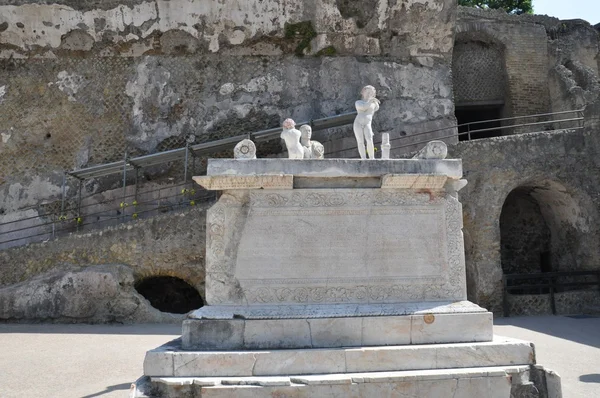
<point x="251" y="334"/>
<point x="309" y="311"/>
<point x="170" y="360"/>
<point x="493" y="382"/>
<point x="451" y="168"/>
<point x="489" y="382"/>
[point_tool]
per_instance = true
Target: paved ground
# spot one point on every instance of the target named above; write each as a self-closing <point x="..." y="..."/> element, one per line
<point x="84" y="361"/>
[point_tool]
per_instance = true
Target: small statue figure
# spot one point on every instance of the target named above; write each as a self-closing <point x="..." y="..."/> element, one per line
<point x="385" y="146"/>
<point x="312" y="149"/>
<point x="363" y="131"/>
<point x="291" y="136"/>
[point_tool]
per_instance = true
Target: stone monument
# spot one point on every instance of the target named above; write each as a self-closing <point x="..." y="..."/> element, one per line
<point x="339" y="278"/>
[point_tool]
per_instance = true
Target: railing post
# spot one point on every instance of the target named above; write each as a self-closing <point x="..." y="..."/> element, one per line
<point x="505" y="309"/>
<point x="124" y="186"/>
<point x="552" y="303"/>
<point x="469" y="132"/>
<point x="79" y="204"/>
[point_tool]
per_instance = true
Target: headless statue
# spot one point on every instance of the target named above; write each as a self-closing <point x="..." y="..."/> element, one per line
<point x="291" y="136"/>
<point x="366" y="108"/>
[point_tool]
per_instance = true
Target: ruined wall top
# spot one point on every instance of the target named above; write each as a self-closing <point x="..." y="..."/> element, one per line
<point x="407" y="29"/>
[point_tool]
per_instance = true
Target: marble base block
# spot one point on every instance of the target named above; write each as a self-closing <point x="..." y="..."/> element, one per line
<point x="171" y="360"/>
<point x="325" y="326"/>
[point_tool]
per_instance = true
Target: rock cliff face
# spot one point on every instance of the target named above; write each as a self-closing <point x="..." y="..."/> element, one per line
<point x="81" y="82"/>
<point x="92" y="277"/>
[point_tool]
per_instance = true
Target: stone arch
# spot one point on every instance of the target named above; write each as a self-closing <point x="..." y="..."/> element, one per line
<point x="567" y="216"/>
<point x="169" y="293"/>
<point x="547" y="226"/>
<point x="479" y="79"/>
<point x="565" y="207"/>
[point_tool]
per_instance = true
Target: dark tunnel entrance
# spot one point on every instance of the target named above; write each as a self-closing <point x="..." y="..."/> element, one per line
<point x="169" y="294"/>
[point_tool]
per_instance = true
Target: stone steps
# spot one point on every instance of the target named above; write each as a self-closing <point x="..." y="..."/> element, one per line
<point x="489" y="382"/>
<point x="170" y="360"/>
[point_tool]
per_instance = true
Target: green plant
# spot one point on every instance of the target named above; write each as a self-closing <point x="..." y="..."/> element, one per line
<point x="303" y="30"/>
<point x="327" y="51"/>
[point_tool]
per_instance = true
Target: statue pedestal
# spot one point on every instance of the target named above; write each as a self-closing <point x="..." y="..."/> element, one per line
<point x="341" y="269"/>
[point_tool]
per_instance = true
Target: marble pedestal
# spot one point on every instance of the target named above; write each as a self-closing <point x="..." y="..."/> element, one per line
<point x="344" y="271"/>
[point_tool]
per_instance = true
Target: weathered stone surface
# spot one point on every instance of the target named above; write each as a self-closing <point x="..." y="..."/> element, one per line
<point x="550" y="166"/>
<point x="433" y="150"/>
<point x="451" y="168"/>
<point x="169" y="244"/>
<point x="168" y="70"/>
<point x="323" y="332"/>
<point x="411" y="181"/>
<point x="226" y="182"/>
<point x="94" y="294"/>
<point x="333" y="310"/>
<point x="492" y="382"/>
<point x="499" y="352"/>
<point x="408" y="266"/>
<point x="244" y="149"/>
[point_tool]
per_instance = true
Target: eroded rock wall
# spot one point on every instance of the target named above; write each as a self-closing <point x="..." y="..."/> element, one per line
<point x="556" y="169"/>
<point x="82" y="82"/>
<point x="91" y="277"/>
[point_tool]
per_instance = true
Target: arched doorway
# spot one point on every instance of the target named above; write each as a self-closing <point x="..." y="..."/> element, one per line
<point x="546" y="228"/>
<point x="169" y="294"/>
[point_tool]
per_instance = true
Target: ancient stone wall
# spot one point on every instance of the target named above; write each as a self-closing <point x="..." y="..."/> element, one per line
<point x="478" y="72"/>
<point x="555" y="169"/>
<point x="83" y="82"/>
<point x="91" y="277"/>
<point x="525" y="46"/>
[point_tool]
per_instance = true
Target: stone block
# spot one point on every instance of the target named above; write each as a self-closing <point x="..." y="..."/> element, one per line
<point x="509" y="353"/>
<point x="388" y="330"/>
<point x="229" y="363"/>
<point x="335" y="332"/>
<point x="209" y="334"/>
<point x="255" y="257"/>
<point x="298" y="362"/>
<point x="276" y="333"/>
<point x="382" y="359"/>
<point x="158" y="363"/>
<point x="228" y="182"/>
<point x="448" y="328"/>
<point x="451" y="168"/>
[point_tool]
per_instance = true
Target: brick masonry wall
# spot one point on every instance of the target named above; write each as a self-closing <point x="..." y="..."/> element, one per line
<point x="526" y="56"/>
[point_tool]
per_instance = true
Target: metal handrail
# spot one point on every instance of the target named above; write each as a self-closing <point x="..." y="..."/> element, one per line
<point x="457" y="126"/>
<point x="546" y="280"/>
<point x="136" y="163"/>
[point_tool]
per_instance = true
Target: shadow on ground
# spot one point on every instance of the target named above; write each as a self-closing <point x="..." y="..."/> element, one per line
<point x="577" y="329"/>
<point x="590" y="378"/>
<point x="116" y="387"/>
<point x="140" y="329"/>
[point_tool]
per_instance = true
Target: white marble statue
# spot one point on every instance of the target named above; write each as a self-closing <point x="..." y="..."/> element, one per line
<point x="291" y="136"/>
<point x="312" y="149"/>
<point x="363" y="131"/>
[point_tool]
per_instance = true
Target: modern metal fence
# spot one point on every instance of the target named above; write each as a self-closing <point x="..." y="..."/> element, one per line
<point x="547" y="283"/>
<point x="131" y="201"/>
